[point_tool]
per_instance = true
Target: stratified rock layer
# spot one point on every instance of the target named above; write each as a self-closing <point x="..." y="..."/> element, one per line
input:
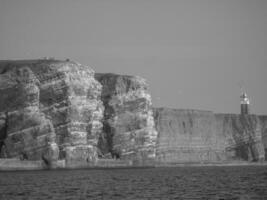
<point x="243" y="134"/>
<point x="192" y="136"/>
<point x="263" y="121"/>
<point x="129" y="131"/>
<point x="52" y="110"/>
<point x="48" y="109"/>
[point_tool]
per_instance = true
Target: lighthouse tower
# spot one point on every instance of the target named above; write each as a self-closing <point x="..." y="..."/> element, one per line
<point x="244" y="101"/>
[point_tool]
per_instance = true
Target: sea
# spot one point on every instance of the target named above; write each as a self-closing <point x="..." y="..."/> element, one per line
<point x="235" y="182"/>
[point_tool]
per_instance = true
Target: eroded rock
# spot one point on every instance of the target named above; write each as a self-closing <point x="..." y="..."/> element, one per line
<point x="129" y="131"/>
<point x="193" y="136"/>
<point x="60" y="110"/>
<point x="27" y="129"/>
<point x="53" y="108"/>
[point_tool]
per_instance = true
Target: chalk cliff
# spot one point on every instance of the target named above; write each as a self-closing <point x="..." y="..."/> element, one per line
<point x="129" y="131"/>
<point x="201" y="136"/>
<point x="49" y="109"/>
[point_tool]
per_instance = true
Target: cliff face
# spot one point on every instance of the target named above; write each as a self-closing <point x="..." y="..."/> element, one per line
<point x="187" y="136"/>
<point x="49" y="109"/>
<point x="52" y="110"/>
<point x="25" y="132"/>
<point x="263" y="120"/>
<point x="244" y="136"/>
<point x="129" y="131"/>
<point x="201" y="136"/>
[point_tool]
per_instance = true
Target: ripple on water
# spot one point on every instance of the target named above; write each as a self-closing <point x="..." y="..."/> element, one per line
<point x="244" y="182"/>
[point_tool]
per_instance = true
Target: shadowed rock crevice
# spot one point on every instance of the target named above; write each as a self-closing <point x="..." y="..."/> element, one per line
<point x="105" y="142"/>
<point x="3" y="134"/>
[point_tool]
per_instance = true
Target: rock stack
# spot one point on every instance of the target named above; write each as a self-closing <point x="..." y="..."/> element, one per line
<point x="129" y="131"/>
<point x="49" y="103"/>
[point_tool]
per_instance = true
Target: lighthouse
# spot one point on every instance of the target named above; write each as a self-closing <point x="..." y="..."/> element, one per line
<point x="244" y="101"/>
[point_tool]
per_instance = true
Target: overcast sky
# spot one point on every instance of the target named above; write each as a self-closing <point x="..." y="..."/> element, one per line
<point x="194" y="54"/>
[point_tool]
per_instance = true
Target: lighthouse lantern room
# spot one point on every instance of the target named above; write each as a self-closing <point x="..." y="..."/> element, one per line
<point x="244" y="101"/>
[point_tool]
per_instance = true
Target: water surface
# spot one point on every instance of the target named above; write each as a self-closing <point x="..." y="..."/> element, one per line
<point x="242" y="182"/>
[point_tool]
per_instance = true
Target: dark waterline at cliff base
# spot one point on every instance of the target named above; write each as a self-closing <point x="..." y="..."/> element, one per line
<point x="246" y="182"/>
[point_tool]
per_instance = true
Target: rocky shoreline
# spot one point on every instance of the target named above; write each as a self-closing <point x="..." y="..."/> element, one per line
<point x="18" y="165"/>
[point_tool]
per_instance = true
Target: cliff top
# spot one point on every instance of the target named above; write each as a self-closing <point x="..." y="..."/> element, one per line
<point x="182" y="110"/>
<point x="115" y="83"/>
<point x="8" y="64"/>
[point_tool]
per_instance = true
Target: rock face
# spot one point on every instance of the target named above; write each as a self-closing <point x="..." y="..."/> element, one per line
<point x="263" y="121"/>
<point x="129" y="131"/>
<point x="244" y="136"/>
<point x="187" y="136"/>
<point x="60" y="110"/>
<point x="193" y="136"/>
<point x="54" y="110"/>
<point x="26" y="128"/>
<point x="49" y="109"/>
